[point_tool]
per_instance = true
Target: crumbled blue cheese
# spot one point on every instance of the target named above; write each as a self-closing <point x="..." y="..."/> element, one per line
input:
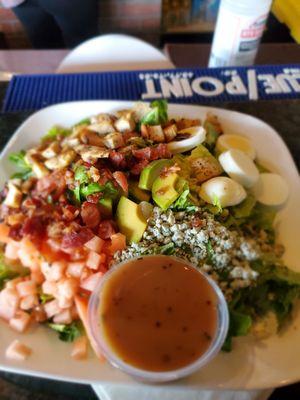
<point x="205" y="242"/>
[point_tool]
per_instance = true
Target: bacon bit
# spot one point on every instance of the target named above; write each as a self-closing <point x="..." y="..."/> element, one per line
<point x="117" y="159"/>
<point x="33" y="226"/>
<point x="143" y="154"/>
<point x="136" y="169"/>
<point x="31" y="203"/>
<point x="90" y="214"/>
<point x="105" y="176"/>
<point x="15" y="232"/>
<point x="70" y="212"/>
<point x="121" y="180"/>
<point x="106" y="229"/>
<point x="94" y="198"/>
<point x="160" y="151"/>
<point x="76" y="239"/>
<point x="53" y="184"/>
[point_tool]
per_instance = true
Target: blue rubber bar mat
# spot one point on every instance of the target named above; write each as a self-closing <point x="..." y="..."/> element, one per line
<point x="199" y="86"/>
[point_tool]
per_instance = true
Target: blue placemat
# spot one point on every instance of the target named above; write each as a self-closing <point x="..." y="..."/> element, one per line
<point x="199" y="86"/>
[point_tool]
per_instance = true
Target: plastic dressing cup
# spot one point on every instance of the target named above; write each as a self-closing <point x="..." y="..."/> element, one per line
<point x="142" y="272"/>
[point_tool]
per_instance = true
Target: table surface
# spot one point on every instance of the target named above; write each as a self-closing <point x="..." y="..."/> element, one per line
<point x="183" y="56"/>
<point x="284" y="117"/>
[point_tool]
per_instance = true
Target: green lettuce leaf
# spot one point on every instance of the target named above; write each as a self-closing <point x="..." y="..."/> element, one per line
<point x="54" y="132"/>
<point x="81" y="174"/>
<point x="8" y="272"/>
<point x="239" y="325"/>
<point x="245" y="208"/>
<point x="158" y="114"/>
<point x="68" y="333"/>
<point x="25" y="170"/>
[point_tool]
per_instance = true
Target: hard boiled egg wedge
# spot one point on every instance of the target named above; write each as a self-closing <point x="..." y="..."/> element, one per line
<point x="227" y="142"/>
<point x="271" y="189"/>
<point x="197" y="136"/>
<point x="240" y="167"/>
<point x="223" y="190"/>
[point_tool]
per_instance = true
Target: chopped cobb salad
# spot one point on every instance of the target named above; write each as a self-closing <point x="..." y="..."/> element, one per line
<point x="139" y="182"/>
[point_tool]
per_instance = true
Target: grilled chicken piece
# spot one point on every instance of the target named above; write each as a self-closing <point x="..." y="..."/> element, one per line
<point x="90" y="137"/>
<point x="32" y="158"/>
<point x="102" y="123"/>
<point x="140" y="110"/>
<point x="51" y="151"/>
<point x="91" y="154"/>
<point x="184" y="123"/>
<point x="14" y="196"/>
<point x="62" y="160"/>
<point x="113" y="140"/>
<point x="153" y="132"/>
<point x="170" y="132"/>
<point x="125" y="122"/>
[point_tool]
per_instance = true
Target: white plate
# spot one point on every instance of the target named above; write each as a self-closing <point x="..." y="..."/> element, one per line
<point x="250" y="365"/>
<point x="114" y="53"/>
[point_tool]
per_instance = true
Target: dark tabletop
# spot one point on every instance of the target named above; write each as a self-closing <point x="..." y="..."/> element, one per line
<point x="283" y="115"/>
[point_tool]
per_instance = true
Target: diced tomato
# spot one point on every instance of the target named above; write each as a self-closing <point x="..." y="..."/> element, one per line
<point x="38" y="314"/>
<point x="28" y="302"/>
<point x="37" y="277"/>
<point x="90" y="214"/>
<point x="12" y="284"/>
<point x="118" y="242"/>
<point x="82" y="308"/>
<point x="65" y="302"/>
<point x="4" y="233"/>
<point x="49" y="288"/>
<point x="80" y="347"/>
<point x="67" y="288"/>
<point x="91" y="282"/>
<point x="9" y="303"/>
<point x="103" y="258"/>
<point x="75" y="269"/>
<point x="26" y="288"/>
<point x="11" y="250"/>
<point x="95" y="244"/>
<point x="121" y="180"/>
<point x="93" y="261"/>
<point x="17" y="351"/>
<point x="57" y="270"/>
<point x="52" y="308"/>
<point x="20" y="321"/>
<point x="103" y="268"/>
<point x="28" y="254"/>
<point x="106" y="229"/>
<point x="64" y="317"/>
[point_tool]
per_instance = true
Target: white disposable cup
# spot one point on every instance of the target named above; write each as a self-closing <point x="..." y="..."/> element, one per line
<point x="152" y="376"/>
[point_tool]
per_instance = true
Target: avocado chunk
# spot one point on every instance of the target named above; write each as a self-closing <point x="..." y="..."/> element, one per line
<point x="130" y="220"/>
<point x="151" y="172"/>
<point x="136" y="193"/>
<point x="105" y="206"/>
<point x="164" y="191"/>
